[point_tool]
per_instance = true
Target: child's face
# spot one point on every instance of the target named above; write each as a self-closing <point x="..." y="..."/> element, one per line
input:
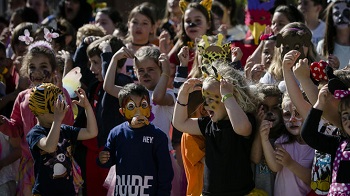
<point x="345" y="120"/>
<point x="140" y="27"/>
<point x="309" y="9"/>
<point x="292" y="119"/>
<point x="215" y="108"/>
<point x="136" y="110"/>
<point x="96" y="67"/>
<point x="173" y="6"/>
<point x="148" y="72"/>
<point x="71" y="9"/>
<point x="279" y="20"/>
<point x="267" y="54"/>
<point x="39" y="69"/>
<point x="341" y="16"/>
<point x="105" y="22"/>
<point x="195" y="23"/>
<point x="272" y="110"/>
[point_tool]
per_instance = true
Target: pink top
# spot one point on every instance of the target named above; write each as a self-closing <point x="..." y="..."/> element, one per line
<point x="287" y="183"/>
<point x="23" y="120"/>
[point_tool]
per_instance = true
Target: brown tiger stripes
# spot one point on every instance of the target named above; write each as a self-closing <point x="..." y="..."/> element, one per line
<point x="43" y="97"/>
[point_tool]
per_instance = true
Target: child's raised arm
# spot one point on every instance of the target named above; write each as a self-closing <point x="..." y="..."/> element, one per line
<point x="108" y="84"/>
<point x="293" y="89"/>
<point x="49" y="143"/>
<point x="91" y="129"/>
<point x="180" y="118"/>
<point x="159" y="96"/>
<point x="239" y="119"/>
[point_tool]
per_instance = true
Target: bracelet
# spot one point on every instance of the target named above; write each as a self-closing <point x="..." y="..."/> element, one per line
<point x="165" y="75"/>
<point x="223" y="99"/>
<point x="177" y="101"/>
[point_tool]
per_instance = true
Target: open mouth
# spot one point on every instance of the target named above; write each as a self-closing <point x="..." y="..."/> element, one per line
<point x="294" y="126"/>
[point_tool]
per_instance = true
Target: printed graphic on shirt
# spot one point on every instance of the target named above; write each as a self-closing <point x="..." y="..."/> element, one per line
<point x="321" y="173"/>
<point x="59" y="162"/>
<point x="133" y="185"/>
<point x="147" y="139"/>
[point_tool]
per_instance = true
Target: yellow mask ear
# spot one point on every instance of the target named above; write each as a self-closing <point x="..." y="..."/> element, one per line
<point x="207" y="4"/>
<point x="183" y="5"/>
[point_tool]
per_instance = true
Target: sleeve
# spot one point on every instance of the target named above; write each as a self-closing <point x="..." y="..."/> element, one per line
<point x="192" y="148"/>
<point x="33" y="137"/>
<point x="309" y="133"/>
<point x="71" y="132"/>
<point x="13" y="127"/>
<point x="165" y="168"/>
<point x="111" y="148"/>
<point x="180" y="77"/>
<point x="106" y="59"/>
<point x="237" y="65"/>
<point x="81" y="60"/>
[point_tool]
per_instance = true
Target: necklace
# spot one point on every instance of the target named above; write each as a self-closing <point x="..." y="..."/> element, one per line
<point x="134" y="44"/>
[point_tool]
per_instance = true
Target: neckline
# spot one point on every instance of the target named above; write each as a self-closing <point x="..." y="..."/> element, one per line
<point x="135" y="44"/>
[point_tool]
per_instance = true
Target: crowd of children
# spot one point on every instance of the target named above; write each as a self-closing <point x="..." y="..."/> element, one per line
<point x="91" y="105"/>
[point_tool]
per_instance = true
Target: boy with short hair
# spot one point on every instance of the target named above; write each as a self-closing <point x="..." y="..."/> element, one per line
<point x="138" y="148"/>
<point x="51" y="142"/>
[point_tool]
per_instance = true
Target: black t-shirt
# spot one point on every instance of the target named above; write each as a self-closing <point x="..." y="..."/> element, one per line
<point x="227" y="168"/>
<point x="53" y="171"/>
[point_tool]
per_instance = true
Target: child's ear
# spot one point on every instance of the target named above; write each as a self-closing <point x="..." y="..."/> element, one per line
<point x="203" y="111"/>
<point x="121" y="110"/>
<point x="136" y="73"/>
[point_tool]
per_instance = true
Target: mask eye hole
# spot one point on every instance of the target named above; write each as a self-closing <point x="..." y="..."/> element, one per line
<point x="144" y="104"/>
<point x="130" y="105"/>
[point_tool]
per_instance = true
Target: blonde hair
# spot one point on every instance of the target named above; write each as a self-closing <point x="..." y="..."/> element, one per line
<point x="241" y="91"/>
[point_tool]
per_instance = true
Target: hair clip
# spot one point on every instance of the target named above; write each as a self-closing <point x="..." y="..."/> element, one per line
<point x="50" y="35"/>
<point x="26" y="37"/>
<point x="339" y="94"/>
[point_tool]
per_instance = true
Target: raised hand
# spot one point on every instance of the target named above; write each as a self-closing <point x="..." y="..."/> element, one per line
<point x="236" y="53"/>
<point x="83" y="100"/>
<point x="290" y="58"/>
<point x="61" y="108"/>
<point x="190" y="85"/>
<point x="165" y="43"/>
<point x="123" y="53"/>
<point x="184" y="56"/>
<point x="264" y="130"/>
<point x="301" y="69"/>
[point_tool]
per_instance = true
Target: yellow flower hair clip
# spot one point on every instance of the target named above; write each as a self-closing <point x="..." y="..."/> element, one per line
<point x="212" y="52"/>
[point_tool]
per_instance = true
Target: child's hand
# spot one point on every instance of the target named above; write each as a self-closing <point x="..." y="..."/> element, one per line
<point x="264" y="129"/>
<point x="301" y="69"/>
<point x="289" y="59"/>
<point x="333" y="61"/>
<point x="184" y="56"/>
<point x="57" y="79"/>
<point x="123" y="53"/>
<point x="226" y="87"/>
<point x="190" y="85"/>
<point x="165" y="63"/>
<point x="61" y="108"/>
<point x="105" y="46"/>
<point x="236" y="53"/>
<point x="282" y="156"/>
<point x="323" y="96"/>
<point x="103" y="156"/>
<point x="251" y="61"/>
<point x="89" y="39"/>
<point x="257" y="72"/>
<point x="83" y="100"/>
<point x="165" y="44"/>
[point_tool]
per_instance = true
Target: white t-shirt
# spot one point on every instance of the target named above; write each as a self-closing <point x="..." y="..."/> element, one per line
<point x="318" y="33"/>
<point x="163" y="116"/>
<point x="268" y="79"/>
<point x="340" y="51"/>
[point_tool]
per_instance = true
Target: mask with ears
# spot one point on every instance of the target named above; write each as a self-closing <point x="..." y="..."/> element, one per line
<point x="293" y="41"/>
<point x="136" y="113"/>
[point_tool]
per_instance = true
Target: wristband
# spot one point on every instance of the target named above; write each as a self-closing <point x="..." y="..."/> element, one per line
<point x="177" y="101"/>
<point x="223" y="99"/>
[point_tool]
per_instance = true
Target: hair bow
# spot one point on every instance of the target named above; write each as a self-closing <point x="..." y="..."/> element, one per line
<point x="334" y="83"/>
<point x="26" y="37"/>
<point x="318" y="70"/>
<point x="339" y="94"/>
<point x="50" y="35"/>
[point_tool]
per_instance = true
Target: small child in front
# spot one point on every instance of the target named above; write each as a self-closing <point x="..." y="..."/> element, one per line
<point x="50" y="141"/>
<point x="138" y="148"/>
